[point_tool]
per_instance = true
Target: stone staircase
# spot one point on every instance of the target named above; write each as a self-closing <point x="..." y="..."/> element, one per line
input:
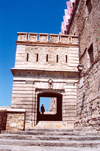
<point x="49" y="140"/>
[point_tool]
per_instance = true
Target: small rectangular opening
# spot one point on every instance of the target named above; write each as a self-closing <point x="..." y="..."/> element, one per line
<point x="73" y="5"/>
<point x="27" y="58"/>
<point x="56" y="58"/>
<point x="90" y="51"/>
<point x="68" y="20"/>
<point x="38" y="37"/>
<point x="37" y="57"/>
<point x="66" y="58"/>
<point x="48" y="37"/>
<point x="66" y="27"/>
<point x="47" y="58"/>
<point x="27" y="36"/>
<point x="65" y="31"/>
<point x="89" y="6"/>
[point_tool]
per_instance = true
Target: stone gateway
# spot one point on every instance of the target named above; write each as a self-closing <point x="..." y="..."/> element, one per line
<point x="46" y="66"/>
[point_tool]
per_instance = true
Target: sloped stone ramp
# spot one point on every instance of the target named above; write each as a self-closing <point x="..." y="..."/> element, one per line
<point x="49" y="140"/>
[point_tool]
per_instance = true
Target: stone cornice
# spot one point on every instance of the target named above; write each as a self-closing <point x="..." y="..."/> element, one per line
<point x="64" y="73"/>
<point x="42" y="70"/>
<point x="59" y="44"/>
<point x="12" y="110"/>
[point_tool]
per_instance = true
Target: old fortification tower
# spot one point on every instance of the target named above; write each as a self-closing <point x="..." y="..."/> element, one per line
<point x="46" y="66"/>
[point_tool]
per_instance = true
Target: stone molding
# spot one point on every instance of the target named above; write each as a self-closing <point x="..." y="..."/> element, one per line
<point x="16" y="110"/>
<point x="12" y="110"/>
<point x="69" y="74"/>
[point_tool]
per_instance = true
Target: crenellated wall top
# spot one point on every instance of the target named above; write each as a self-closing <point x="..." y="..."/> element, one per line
<point x="45" y="38"/>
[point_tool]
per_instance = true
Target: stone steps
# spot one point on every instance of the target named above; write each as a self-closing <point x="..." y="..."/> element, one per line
<point x="52" y="132"/>
<point x="55" y="138"/>
<point x="44" y="148"/>
<point x="51" y="143"/>
<point x="48" y="137"/>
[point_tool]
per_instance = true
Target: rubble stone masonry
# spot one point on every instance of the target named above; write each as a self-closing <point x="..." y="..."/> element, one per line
<point x="88" y="99"/>
<point x="12" y="119"/>
<point x="87" y="26"/>
<point x="85" y="22"/>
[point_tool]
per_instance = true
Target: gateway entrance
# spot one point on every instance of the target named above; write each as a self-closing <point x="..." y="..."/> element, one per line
<point x="50" y="116"/>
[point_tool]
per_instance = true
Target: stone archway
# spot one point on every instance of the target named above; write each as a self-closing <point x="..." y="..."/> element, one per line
<point x="50" y="117"/>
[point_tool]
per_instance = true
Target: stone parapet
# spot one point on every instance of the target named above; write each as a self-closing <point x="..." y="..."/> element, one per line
<point x="33" y="37"/>
<point x="12" y="119"/>
<point x="45" y="38"/>
<point x="22" y="36"/>
<point x="15" y="119"/>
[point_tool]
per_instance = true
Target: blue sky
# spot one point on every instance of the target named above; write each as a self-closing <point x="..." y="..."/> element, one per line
<point x="46" y="103"/>
<point x="39" y="16"/>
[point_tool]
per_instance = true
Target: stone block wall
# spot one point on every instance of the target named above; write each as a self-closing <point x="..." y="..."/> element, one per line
<point x="3" y="118"/>
<point x="88" y="98"/>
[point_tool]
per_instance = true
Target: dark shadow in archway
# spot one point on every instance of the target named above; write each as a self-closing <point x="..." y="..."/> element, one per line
<point x="50" y="117"/>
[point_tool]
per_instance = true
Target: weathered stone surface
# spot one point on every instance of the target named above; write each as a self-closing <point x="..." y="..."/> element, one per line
<point x="15" y="119"/>
<point x="86" y="24"/>
<point x="58" y="139"/>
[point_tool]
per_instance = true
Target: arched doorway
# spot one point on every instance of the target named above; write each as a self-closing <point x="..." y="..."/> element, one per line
<point x="50" y="117"/>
